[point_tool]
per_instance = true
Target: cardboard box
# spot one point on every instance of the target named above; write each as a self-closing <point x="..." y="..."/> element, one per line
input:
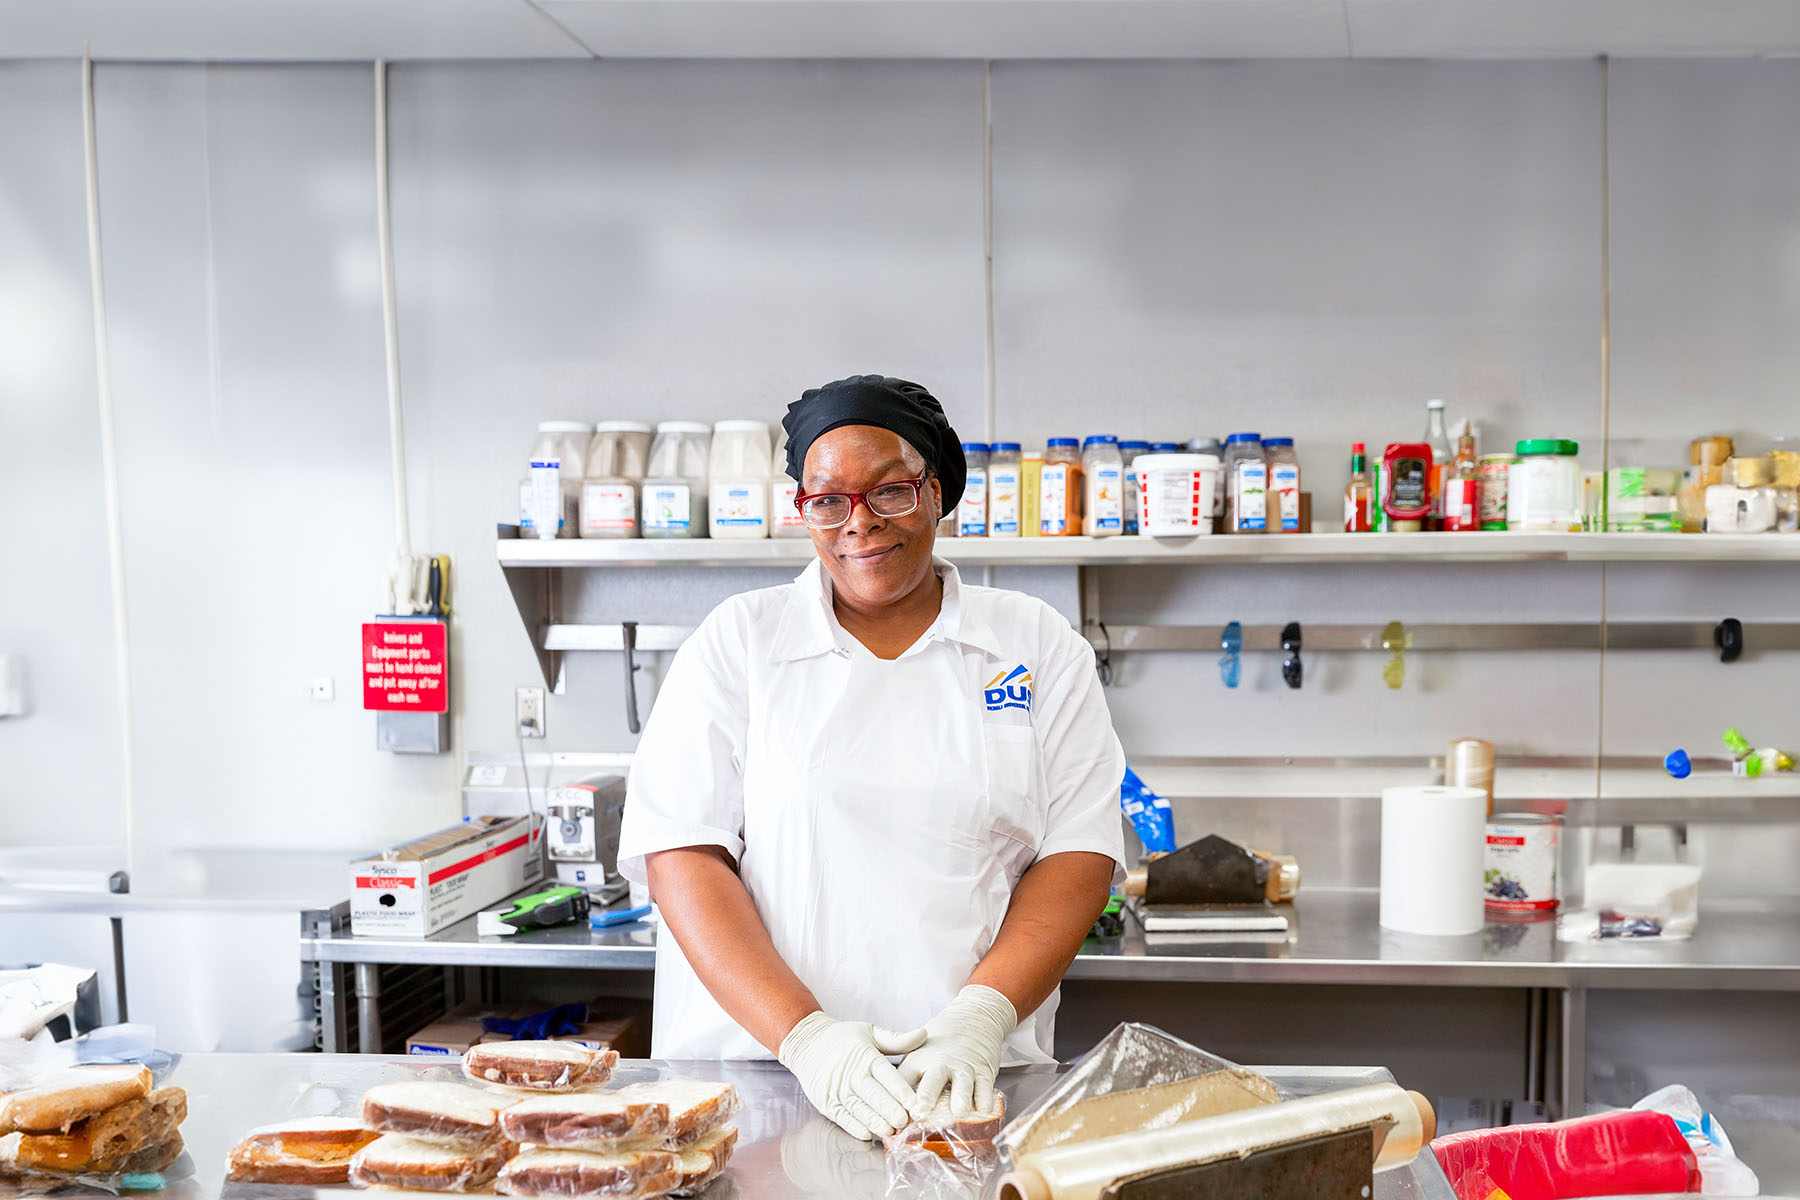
<point x="625" y="1030"/>
<point x="622" y="1024"/>
<point x="451" y="1035"/>
<point x="419" y="887"/>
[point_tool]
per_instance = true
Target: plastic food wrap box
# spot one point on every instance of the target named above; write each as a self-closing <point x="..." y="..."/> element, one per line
<point x="422" y="886"/>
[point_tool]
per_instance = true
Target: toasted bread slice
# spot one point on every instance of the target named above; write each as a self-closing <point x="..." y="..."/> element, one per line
<point x="942" y="1125"/>
<point x="599" y="1121"/>
<point x="100" y="1144"/>
<point x="70" y="1095"/>
<point x="308" y="1150"/>
<point x="446" y="1113"/>
<point x="705" y="1160"/>
<point x="576" y="1173"/>
<point x="394" y="1161"/>
<point x="540" y="1066"/>
<point x="696" y="1108"/>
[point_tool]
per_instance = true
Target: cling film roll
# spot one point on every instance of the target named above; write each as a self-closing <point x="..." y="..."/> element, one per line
<point x="1083" y="1170"/>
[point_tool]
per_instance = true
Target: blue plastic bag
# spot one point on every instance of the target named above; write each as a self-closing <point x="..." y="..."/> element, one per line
<point x="1148" y="813"/>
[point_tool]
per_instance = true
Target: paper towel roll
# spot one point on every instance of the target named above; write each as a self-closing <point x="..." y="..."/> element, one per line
<point x="1433" y="844"/>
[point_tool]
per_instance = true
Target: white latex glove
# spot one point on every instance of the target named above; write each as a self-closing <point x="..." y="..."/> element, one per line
<point x="962" y="1049"/>
<point x="843" y="1068"/>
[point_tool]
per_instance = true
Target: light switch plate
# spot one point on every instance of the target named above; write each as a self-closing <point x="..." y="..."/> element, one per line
<point x="528" y="712"/>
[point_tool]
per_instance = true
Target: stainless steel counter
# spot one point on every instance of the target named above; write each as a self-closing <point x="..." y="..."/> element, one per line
<point x="785" y="1149"/>
<point x="1336" y="939"/>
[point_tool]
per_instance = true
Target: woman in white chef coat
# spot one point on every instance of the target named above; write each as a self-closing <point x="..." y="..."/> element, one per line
<point x="876" y="799"/>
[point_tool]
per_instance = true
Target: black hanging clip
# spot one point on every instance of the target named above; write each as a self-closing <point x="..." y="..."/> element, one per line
<point x="1728" y="636"/>
<point x="1291" y="670"/>
<point x="628" y="642"/>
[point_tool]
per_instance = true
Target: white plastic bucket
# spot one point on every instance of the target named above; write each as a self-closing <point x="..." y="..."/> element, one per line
<point x="1175" y="493"/>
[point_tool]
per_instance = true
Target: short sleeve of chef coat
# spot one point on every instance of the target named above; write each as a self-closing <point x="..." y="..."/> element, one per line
<point x="1083" y="763"/>
<point x="687" y="777"/>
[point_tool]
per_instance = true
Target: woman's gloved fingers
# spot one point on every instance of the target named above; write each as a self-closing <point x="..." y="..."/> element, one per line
<point x="889" y="1041"/>
<point x="887" y="1077"/>
<point x="930" y="1087"/>
<point x="962" y="1091"/>
<point x="910" y="1071"/>
<point x="984" y="1095"/>
<point x="886" y="1111"/>
<point x="867" y="1118"/>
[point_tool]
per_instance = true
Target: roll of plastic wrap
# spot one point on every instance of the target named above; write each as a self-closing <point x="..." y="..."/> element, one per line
<point x="1433" y="840"/>
<point x="1082" y="1170"/>
<point x="1470" y="763"/>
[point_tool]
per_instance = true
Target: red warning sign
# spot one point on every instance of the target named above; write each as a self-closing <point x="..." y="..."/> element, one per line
<point x="406" y="666"/>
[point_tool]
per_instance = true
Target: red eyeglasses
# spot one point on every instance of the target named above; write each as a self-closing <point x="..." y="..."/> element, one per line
<point x="828" y="510"/>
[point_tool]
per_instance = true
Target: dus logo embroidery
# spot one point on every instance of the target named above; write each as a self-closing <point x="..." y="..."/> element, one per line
<point x="1009" y="689"/>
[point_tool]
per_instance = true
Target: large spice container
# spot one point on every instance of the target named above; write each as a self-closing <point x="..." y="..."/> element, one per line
<point x="1246" y="484"/>
<point x="1543" y="488"/>
<point x="1059" y="490"/>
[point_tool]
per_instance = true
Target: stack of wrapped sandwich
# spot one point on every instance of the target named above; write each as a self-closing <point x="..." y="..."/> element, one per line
<point x="91" y="1120"/>
<point x="538" y="1126"/>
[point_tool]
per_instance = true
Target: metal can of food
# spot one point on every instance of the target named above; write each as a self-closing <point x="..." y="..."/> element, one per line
<point x="1521" y="864"/>
<point x="1494" y="468"/>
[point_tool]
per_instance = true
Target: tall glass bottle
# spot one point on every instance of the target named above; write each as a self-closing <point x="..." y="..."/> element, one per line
<point x="1359" y="493"/>
<point x="1438" y="438"/>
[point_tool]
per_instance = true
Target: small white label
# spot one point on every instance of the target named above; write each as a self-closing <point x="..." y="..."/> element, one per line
<point x="1250" y="495"/>
<point x="608" y="508"/>
<point x="972" y="509"/>
<point x="1003" y="501"/>
<point x="1053" y="500"/>
<point x="1107" y="507"/>
<point x="1284" y="481"/>
<point x="739" y="505"/>
<point x="666" y="506"/>
<point x="546" y="496"/>
<point x="487" y="775"/>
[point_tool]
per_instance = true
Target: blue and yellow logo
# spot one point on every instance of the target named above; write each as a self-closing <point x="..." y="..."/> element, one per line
<point x="1009" y="689"/>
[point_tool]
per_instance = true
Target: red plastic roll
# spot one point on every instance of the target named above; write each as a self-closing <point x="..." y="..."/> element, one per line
<point x="1613" y="1154"/>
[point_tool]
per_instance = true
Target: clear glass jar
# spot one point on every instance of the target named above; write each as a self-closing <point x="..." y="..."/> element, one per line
<point x="1103" y="476"/>
<point x="674" y="504"/>
<point x="1003" y="490"/>
<point x="1246" y="484"/>
<point x="1059" y="490"/>
<point x="617" y="458"/>
<point x="972" y="509"/>
<point x="1544" y="486"/>
<point x="1284" y="484"/>
<point x="550" y="493"/>
<point x="737" y="480"/>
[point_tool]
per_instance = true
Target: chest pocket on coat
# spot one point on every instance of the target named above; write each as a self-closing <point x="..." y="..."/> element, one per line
<point x="1015" y="796"/>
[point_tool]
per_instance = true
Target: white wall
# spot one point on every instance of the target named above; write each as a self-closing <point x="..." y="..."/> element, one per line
<point x="1181" y="247"/>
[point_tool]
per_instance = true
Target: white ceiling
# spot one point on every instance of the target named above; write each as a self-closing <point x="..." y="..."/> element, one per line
<point x="312" y="30"/>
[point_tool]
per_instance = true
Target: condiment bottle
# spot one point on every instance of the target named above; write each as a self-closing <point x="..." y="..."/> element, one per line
<point x="1284" y="484"/>
<point x="1246" y="484"/>
<point x="1357" y="493"/>
<point x="1406" y="485"/>
<point x="1031" y="477"/>
<point x="972" y="510"/>
<point x="1462" y="486"/>
<point x="1059" y="490"/>
<point x="1439" y="440"/>
<point x="1128" y="452"/>
<point x="1103" y="476"/>
<point x="1003" y="490"/>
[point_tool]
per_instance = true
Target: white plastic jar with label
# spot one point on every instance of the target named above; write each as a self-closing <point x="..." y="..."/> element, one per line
<point x="784" y="515"/>
<point x="550" y="493"/>
<point x="617" y="459"/>
<point x="972" y="509"/>
<point x="1103" y="475"/>
<point x="1246" y="484"/>
<point x="1284" y="484"/>
<point x="674" y="500"/>
<point x="1175" y="493"/>
<point x="1543" y="486"/>
<point x="737" y="483"/>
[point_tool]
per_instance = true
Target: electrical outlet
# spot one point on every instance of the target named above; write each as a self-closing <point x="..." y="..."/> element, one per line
<point x="528" y="712"/>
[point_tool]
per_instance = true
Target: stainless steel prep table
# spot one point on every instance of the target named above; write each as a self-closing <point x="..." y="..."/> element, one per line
<point x="1338" y="940"/>
<point x="785" y="1149"/>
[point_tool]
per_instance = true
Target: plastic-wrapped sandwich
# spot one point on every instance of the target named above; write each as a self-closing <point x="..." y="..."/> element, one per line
<point x="946" y="1134"/>
<point x="696" y="1108"/>
<point x="402" y="1162"/>
<point x="628" y="1176"/>
<point x="595" y="1121"/>
<point x="705" y="1160"/>
<point x="308" y="1151"/>
<point x="56" y="1102"/>
<point x="540" y="1066"/>
<point x="447" y="1114"/>
<point x="92" y="1120"/>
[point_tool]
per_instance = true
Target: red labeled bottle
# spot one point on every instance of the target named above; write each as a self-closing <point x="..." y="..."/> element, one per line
<point x="1406" y="485"/>
<point x="1359" y="494"/>
<point x="1462" y="485"/>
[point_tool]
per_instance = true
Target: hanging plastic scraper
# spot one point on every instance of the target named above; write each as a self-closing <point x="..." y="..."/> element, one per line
<point x="1292" y="672"/>
<point x="1395" y="642"/>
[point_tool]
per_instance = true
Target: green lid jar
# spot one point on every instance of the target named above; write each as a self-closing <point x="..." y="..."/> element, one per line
<point x="1561" y="446"/>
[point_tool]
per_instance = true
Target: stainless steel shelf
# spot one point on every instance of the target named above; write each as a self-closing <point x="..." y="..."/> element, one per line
<point x="1338" y="939"/>
<point x="1434" y="548"/>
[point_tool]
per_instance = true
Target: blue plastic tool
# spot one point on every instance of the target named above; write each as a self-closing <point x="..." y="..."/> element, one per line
<point x="1231" y="641"/>
<point x="623" y="916"/>
<point x="1676" y="763"/>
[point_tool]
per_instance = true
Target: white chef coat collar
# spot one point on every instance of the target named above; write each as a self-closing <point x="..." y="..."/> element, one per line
<point x="809" y="627"/>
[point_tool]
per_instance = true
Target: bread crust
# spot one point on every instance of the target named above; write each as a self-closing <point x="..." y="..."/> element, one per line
<point x="395" y="1161"/>
<point x="705" y="1160"/>
<point x="941" y="1127"/>
<point x="71" y="1095"/>
<point x="447" y="1114"/>
<point x="547" y="1066"/>
<point x="592" y="1119"/>
<point x="572" y="1173"/>
<point x="307" y="1151"/>
<point x="696" y="1107"/>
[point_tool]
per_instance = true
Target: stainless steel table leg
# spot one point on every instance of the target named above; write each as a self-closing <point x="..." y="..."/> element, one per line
<point x="368" y="1007"/>
<point x="1574" y="1052"/>
<point x="1537" y="1039"/>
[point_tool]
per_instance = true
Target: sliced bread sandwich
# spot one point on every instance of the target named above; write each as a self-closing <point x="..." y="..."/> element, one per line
<point x="577" y="1173"/>
<point x="705" y="1160"/>
<point x="55" y="1103"/>
<point x="601" y="1121"/>
<point x="449" y="1114"/>
<point x="402" y="1162"/>
<point x="696" y="1108"/>
<point x="540" y="1066"/>
<point x="307" y="1151"/>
